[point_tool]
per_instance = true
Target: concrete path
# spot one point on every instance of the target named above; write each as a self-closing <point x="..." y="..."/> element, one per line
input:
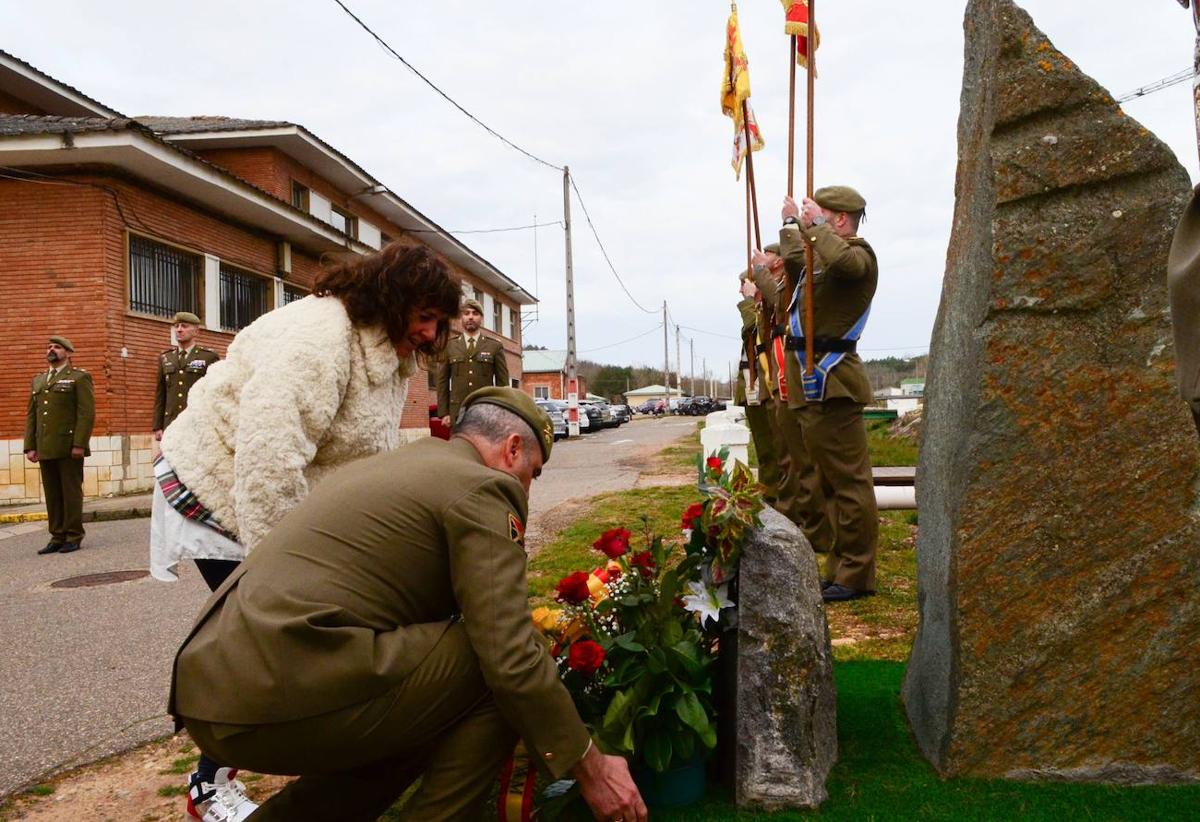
<point x="84" y="671"/>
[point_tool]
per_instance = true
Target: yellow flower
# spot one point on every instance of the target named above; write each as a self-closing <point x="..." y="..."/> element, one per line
<point x="546" y="619"/>
<point x="597" y="589"/>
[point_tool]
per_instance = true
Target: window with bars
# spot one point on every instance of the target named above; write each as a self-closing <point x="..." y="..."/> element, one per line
<point x="291" y="293"/>
<point x="244" y="297"/>
<point x="164" y="279"/>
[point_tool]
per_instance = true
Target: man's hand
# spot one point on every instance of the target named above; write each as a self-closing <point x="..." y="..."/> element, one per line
<point x="608" y="788"/>
<point x="158" y="435"/>
<point x="759" y="258"/>
<point x="31" y="455"/>
<point x="76" y="452"/>
<point x="749" y="289"/>
<point x="790" y="209"/>
<point x="810" y="211"/>
<point x="446" y="420"/>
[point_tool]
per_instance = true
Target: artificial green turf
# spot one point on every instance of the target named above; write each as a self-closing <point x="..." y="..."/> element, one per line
<point x="881" y="776"/>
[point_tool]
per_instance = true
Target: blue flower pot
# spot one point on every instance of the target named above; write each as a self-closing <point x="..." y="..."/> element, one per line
<point x="673" y="788"/>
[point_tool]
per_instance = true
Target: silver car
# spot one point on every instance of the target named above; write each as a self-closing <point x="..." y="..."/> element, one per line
<point x="555" y="410"/>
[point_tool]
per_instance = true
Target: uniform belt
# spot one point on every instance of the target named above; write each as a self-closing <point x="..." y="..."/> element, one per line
<point x="829" y="345"/>
<point x="744" y="364"/>
<point x="779" y="331"/>
<point x="761" y="349"/>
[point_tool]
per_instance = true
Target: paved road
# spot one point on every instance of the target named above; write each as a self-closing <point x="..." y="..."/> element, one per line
<point x="84" y="671"/>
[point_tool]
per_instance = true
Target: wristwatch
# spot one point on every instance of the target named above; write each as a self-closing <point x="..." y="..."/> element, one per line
<point x="791" y="221"/>
<point x="818" y="220"/>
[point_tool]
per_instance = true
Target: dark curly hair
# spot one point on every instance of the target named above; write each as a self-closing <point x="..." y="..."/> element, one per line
<point x="386" y="288"/>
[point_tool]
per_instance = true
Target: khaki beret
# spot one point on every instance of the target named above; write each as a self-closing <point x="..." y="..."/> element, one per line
<point x="773" y="248"/>
<point x="472" y="304"/>
<point x="64" y="342"/>
<point x="523" y="406"/>
<point x="186" y="317"/>
<point x="839" y="198"/>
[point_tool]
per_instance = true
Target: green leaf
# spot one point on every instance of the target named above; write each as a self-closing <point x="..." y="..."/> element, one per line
<point x="657" y="750"/>
<point x="688" y="655"/>
<point x="627" y="642"/>
<point x="685" y="746"/>
<point x="672" y="633"/>
<point x="657" y="661"/>
<point x="691" y="712"/>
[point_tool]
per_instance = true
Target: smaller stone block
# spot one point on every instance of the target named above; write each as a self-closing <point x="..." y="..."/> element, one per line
<point x="786" y="703"/>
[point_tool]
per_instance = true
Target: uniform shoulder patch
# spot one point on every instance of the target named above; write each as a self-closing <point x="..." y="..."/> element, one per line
<point x="516" y="530"/>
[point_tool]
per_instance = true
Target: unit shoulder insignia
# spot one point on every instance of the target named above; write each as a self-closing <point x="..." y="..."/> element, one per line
<point x="516" y="530"/>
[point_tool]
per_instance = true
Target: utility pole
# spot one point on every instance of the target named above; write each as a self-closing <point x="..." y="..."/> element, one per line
<point x="666" y="362"/>
<point x="678" y="362"/>
<point x="692" y="349"/>
<point x="704" y="372"/>
<point x="572" y="376"/>
<point x="729" y="385"/>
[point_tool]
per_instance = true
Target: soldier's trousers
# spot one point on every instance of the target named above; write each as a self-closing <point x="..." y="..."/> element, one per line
<point x="803" y="495"/>
<point x="761" y="419"/>
<point x="439" y="723"/>
<point x="836" y="438"/>
<point x="62" y="484"/>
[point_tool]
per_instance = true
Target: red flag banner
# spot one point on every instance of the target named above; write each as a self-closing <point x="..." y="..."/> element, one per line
<point x="797" y="24"/>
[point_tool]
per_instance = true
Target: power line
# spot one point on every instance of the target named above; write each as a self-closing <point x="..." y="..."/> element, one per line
<point x="604" y="251"/>
<point x="622" y="342"/>
<point x="446" y="96"/>
<point x="1158" y="85"/>
<point x="482" y="230"/>
<point x="710" y="333"/>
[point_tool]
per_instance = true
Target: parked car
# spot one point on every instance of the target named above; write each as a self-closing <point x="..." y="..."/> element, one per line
<point x="647" y="407"/>
<point x="622" y="413"/>
<point x="556" y="417"/>
<point x="606" y="414"/>
<point x="591" y="414"/>
<point x="683" y="405"/>
<point x="704" y="405"/>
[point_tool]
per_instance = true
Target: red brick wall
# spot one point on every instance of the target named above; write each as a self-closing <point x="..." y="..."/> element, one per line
<point x="554" y="380"/>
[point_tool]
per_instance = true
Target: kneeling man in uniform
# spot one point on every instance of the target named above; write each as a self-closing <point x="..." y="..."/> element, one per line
<point x="381" y="632"/>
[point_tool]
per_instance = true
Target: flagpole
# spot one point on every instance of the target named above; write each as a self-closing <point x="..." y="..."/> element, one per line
<point x="750" y="173"/>
<point x="809" y="322"/>
<point x="791" y="171"/>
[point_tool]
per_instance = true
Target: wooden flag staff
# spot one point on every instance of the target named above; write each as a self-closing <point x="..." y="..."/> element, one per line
<point x="809" y="329"/>
<point x="752" y="202"/>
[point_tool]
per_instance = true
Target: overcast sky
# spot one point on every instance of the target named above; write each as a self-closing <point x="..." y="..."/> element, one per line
<point x="626" y="93"/>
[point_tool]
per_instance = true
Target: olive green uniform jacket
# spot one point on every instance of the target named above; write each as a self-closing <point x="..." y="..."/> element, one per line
<point x="458" y="374"/>
<point x="178" y="371"/>
<point x="843" y="287"/>
<point x="354" y="587"/>
<point x="62" y="410"/>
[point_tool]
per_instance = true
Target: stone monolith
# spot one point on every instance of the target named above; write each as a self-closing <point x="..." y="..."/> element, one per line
<point x="786" y="703"/>
<point x="1059" y="553"/>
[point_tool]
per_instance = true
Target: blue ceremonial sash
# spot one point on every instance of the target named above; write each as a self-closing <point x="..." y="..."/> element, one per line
<point x="814" y="383"/>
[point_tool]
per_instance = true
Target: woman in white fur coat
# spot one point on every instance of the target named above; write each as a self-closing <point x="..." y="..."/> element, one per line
<point x="304" y="389"/>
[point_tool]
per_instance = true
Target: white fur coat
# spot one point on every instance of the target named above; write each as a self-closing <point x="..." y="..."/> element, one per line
<point x="300" y="393"/>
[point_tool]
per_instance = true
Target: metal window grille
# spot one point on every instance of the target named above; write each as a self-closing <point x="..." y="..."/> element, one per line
<point x="163" y="279"/>
<point x="291" y="294"/>
<point x="244" y="298"/>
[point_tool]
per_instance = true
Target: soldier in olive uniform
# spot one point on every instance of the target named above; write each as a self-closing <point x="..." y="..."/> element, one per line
<point x="754" y="394"/>
<point x="382" y="632"/>
<point x="829" y="403"/>
<point x="178" y="370"/>
<point x="471" y="361"/>
<point x="802" y="496"/>
<point x="58" y="425"/>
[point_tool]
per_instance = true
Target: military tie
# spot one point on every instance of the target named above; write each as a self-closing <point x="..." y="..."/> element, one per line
<point x="471" y="347"/>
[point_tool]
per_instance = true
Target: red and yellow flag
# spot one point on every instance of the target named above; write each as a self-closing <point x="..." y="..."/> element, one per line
<point x="735" y="90"/>
<point x="797" y="24"/>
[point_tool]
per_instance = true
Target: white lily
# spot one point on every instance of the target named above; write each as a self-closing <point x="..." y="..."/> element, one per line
<point x="706" y="601"/>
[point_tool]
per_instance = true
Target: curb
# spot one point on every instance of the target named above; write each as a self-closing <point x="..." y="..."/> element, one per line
<point x="88" y="516"/>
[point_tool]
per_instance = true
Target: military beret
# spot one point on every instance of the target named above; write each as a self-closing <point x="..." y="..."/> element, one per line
<point x="523" y="406"/>
<point x="839" y="198"/>
<point x="64" y="342"/>
<point x="472" y="304"/>
<point x="773" y="248"/>
<point x="186" y="317"/>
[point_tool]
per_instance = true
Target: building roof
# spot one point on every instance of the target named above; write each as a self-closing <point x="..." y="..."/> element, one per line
<point x="16" y="125"/>
<point x="46" y="93"/>
<point x="652" y="391"/>
<point x="542" y="361"/>
<point x="204" y="124"/>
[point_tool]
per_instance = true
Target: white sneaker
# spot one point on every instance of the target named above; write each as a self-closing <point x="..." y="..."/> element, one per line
<point x="222" y="800"/>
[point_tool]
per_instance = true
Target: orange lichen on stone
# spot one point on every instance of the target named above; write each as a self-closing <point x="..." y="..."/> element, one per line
<point x="1045" y="65"/>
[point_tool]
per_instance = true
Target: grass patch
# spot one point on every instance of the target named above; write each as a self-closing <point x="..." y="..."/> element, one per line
<point x="881" y="776"/>
<point x="571" y="550"/>
<point x="183" y="765"/>
<point x="680" y="455"/>
<point x="43" y="789"/>
<point x="887" y="450"/>
<point x="173" y="790"/>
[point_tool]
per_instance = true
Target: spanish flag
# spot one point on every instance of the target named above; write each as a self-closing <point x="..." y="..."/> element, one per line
<point x="797" y="24"/>
<point x="735" y="90"/>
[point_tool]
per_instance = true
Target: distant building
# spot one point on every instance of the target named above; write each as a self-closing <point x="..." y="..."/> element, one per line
<point x="913" y="385"/>
<point x="111" y="224"/>
<point x="651" y="392"/>
<point x="545" y="375"/>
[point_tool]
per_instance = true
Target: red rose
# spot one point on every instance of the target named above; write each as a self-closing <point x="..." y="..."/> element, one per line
<point x="713" y="463"/>
<point x="585" y="656"/>
<point x="644" y="562"/>
<point x="601" y="574"/>
<point x="613" y="543"/>
<point x="691" y="517"/>
<point x="573" y="588"/>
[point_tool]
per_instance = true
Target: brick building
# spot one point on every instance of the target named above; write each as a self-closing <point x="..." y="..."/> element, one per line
<point x="545" y="375"/>
<point x="110" y="224"/>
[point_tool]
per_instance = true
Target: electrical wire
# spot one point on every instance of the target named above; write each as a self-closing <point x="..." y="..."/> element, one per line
<point x="604" y="251"/>
<point x="482" y="230"/>
<point x="1158" y="85"/>
<point x="622" y="342"/>
<point x="444" y="95"/>
<point x="710" y="333"/>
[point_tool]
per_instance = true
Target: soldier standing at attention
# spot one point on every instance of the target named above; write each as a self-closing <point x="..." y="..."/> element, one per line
<point x="58" y="425"/>
<point x="756" y="400"/>
<point x="472" y="361"/>
<point x="829" y="403"/>
<point x="178" y="370"/>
